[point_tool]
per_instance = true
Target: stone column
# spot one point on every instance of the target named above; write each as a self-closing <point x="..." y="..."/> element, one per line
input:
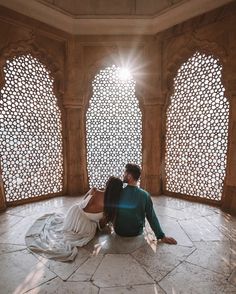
<point x="2" y="194"/>
<point x="229" y="195"/>
<point x="77" y="182"/>
<point x="152" y="104"/>
<point x="151" y="177"/>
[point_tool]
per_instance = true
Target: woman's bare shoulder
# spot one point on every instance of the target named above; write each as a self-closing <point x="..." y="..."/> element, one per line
<point x="101" y="191"/>
<point x="95" y="204"/>
<point x="96" y="193"/>
<point x="99" y="194"/>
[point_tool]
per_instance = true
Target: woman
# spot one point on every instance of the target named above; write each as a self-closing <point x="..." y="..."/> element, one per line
<point x="57" y="236"/>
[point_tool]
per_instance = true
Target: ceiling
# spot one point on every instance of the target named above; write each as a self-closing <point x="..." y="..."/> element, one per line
<point x="112" y="17"/>
<point x="110" y="8"/>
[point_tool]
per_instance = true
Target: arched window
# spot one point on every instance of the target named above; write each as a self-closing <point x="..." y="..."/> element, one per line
<point x="197" y="129"/>
<point x="30" y="131"/>
<point x="113" y="125"/>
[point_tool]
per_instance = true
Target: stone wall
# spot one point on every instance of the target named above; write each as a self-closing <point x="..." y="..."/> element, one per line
<point x="74" y="61"/>
<point x="87" y="55"/>
<point x="22" y="35"/>
<point x="212" y="33"/>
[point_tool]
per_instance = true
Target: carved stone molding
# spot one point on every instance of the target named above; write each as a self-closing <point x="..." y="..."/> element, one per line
<point x="29" y="46"/>
<point x="192" y="44"/>
<point x="104" y="60"/>
<point x="114" y="23"/>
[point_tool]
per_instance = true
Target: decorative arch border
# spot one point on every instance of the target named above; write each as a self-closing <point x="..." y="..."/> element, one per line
<point x="29" y="47"/>
<point x="202" y="46"/>
<point x="100" y="64"/>
<point x="210" y="48"/>
<point x="23" y="47"/>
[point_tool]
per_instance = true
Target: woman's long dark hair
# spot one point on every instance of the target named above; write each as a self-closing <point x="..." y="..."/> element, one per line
<point x="112" y="193"/>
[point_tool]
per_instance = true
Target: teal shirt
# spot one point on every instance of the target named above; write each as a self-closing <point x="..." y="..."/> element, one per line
<point x="135" y="204"/>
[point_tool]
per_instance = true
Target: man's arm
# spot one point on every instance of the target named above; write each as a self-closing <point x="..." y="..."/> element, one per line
<point x="155" y="225"/>
<point x="153" y="220"/>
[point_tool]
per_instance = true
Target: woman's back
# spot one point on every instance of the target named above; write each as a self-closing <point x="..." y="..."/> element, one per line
<point x="96" y="202"/>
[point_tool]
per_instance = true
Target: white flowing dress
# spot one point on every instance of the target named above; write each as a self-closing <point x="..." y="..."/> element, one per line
<point x="56" y="236"/>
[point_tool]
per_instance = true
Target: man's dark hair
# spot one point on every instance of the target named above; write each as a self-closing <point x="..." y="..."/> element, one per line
<point x="134" y="170"/>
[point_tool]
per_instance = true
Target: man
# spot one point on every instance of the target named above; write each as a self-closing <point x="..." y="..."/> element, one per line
<point x="135" y="204"/>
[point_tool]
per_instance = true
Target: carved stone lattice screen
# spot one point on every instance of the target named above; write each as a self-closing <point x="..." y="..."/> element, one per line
<point x="30" y="131"/>
<point x="197" y="130"/>
<point x="113" y="126"/>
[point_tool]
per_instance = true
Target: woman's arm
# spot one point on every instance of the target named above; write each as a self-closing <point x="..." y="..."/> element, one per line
<point x="104" y="226"/>
<point x="103" y="222"/>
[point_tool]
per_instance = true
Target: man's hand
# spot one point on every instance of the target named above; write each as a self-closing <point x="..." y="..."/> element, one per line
<point x="107" y="230"/>
<point x="103" y="222"/>
<point x="169" y="240"/>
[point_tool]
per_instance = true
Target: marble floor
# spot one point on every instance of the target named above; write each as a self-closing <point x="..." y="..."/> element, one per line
<point x="204" y="261"/>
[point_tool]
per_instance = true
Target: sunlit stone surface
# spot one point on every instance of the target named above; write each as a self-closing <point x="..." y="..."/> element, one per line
<point x="204" y="261"/>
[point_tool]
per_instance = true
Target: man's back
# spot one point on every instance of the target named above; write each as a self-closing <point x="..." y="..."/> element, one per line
<point x="131" y="212"/>
<point x="134" y="205"/>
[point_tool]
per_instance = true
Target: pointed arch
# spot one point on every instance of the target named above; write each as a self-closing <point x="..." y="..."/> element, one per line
<point x="113" y="126"/>
<point x="197" y="129"/>
<point x="31" y="120"/>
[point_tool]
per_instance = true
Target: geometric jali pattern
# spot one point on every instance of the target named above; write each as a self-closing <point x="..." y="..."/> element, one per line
<point x="197" y="129"/>
<point x="113" y="126"/>
<point x="30" y="131"/>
